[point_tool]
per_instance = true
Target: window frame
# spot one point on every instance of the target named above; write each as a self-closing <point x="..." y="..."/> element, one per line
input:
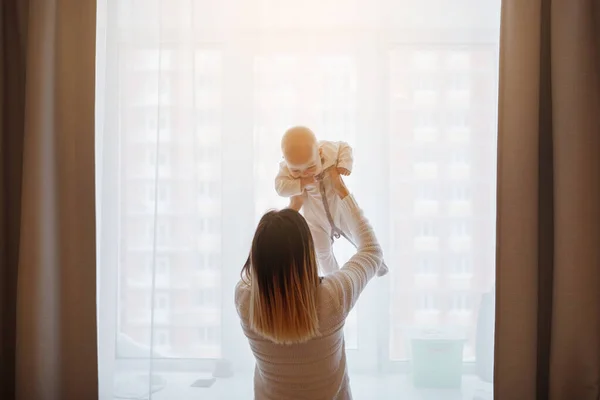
<point x="392" y="39"/>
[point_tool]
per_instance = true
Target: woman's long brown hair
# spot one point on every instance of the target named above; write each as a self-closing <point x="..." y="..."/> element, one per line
<point x="282" y="274"/>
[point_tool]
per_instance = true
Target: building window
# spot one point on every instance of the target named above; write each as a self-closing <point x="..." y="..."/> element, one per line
<point x="151" y="121"/>
<point x="155" y="92"/>
<point x="209" y="261"/>
<point x="162" y="301"/>
<point x="426" y="193"/>
<point x="425" y="82"/>
<point x="163" y="157"/>
<point x="161" y="263"/>
<point x="163" y="120"/>
<point x="162" y="231"/>
<point x="214" y="260"/>
<point x="207" y="120"/>
<point x="208" y="62"/>
<point x="460" y="193"/>
<point x="458" y="60"/>
<point x="459" y="82"/>
<point x="148" y="59"/>
<point x="460" y="266"/>
<point x="425" y="60"/>
<point x="208" y="335"/>
<point x="457" y="120"/>
<point x="461" y="156"/>
<point x="425" y="119"/>
<point x="426" y="302"/>
<point x="207" y="297"/>
<point x="426" y="228"/>
<point x="209" y="190"/>
<point x="209" y="154"/>
<point x="162" y="193"/>
<point x="459" y="228"/>
<point x="162" y="338"/>
<point x="460" y="302"/>
<point x="209" y="225"/>
<point x="425" y="266"/>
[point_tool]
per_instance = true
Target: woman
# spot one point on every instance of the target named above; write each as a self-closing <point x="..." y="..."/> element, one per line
<point x="293" y="318"/>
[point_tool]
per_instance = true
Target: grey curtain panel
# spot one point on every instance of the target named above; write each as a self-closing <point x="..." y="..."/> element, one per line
<point x="47" y="224"/>
<point x="548" y="224"/>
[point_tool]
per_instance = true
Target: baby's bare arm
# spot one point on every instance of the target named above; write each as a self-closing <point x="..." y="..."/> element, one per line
<point x="285" y="185"/>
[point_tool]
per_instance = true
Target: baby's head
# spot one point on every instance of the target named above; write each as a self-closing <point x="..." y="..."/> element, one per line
<point x="301" y="152"/>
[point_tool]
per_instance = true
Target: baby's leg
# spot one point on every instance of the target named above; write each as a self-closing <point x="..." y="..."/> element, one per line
<point x="324" y="251"/>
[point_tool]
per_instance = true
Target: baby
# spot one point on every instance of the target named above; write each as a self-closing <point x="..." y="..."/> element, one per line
<point x="303" y="178"/>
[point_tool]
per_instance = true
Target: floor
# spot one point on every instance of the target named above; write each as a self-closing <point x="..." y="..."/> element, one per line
<point x="178" y="386"/>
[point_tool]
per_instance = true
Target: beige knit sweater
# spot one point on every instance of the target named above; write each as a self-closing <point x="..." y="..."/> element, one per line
<point x="316" y="370"/>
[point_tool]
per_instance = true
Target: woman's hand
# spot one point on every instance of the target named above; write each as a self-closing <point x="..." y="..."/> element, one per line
<point x="343" y="171"/>
<point x="338" y="183"/>
<point x="296" y="203"/>
<point x="308" y="182"/>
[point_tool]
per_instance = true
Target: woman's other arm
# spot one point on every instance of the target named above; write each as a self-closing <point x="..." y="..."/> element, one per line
<point x="352" y="278"/>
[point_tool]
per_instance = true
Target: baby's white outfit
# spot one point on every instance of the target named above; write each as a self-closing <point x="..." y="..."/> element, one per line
<point x="321" y="208"/>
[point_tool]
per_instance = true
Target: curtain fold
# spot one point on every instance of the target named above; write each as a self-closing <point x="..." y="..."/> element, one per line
<point x="47" y="205"/>
<point x="548" y="202"/>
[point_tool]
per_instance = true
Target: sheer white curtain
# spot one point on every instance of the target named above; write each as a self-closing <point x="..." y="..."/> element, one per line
<point x="192" y="99"/>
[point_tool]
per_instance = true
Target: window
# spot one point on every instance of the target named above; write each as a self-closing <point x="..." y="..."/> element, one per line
<point x="426" y="266"/>
<point x="425" y="60"/>
<point x="235" y="83"/>
<point x="458" y="60"/>
<point x="201" y="262"/>
<point x="428" y="193"/>
<point x="459" y="228"/>
<point x="155" y="90"/>
<point x="426" y="228"/>
<point x="460" y="265"/>
<point x="161" y="193"/>
<point x="163" y="121"/>
<point x="457" y="119"/>
<point x="461" y="156"/>
<point x="425" y="82"/>
<point x="214" y="260"/>
<point x="208" y="335"/>
<point x="425" y="119"/>
<point x="207" y="297"/>
<point x="162" y="338"/>
<point x="426" y="302"/>
<point x="209" y="261"/>
<point x="147" y="59"/>
<point x="162" y="301"/>
<point x="160" y="263"/>
<point x="159" y="228"/>
<point x="156" y="122"/>
<point x="460" y="82"/>
<point x="209" y="154"/>
<point x="209" y="225"/>
<point x="460" y="302"/>
<point x="209" y="190"/>
<point x="459" y="193"/>
<point x="163" y="158"/>
<point x="207" y="125"/>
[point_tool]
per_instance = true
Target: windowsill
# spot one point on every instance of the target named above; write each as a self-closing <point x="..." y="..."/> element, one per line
<point x="177" y="385"/>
